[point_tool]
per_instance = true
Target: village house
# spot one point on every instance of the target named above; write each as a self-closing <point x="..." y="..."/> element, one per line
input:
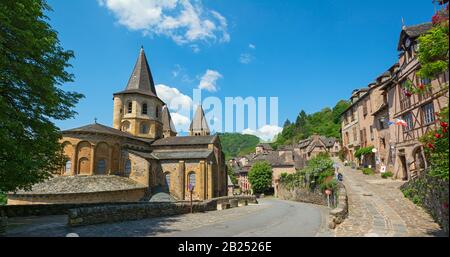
<point x="417" y="110"/>
<point x="139" y="156"/>
<point x="387" y="101"/>
<point x="315" y="144"/>
<point x="350" y="125"/>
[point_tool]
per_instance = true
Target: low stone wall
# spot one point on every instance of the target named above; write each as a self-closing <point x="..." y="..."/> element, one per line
<point x="338" y="214"/>
<point x="431" y="194"/>
<point x="130" y="195"/>
<point x="45" y="209"/>
<point x="301" y="195"/>
<point x="117" y="213"/>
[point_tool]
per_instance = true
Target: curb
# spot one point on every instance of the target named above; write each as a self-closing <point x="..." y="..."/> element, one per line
<point x="338" y="214"/>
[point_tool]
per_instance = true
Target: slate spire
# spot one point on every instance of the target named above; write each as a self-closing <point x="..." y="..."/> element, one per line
<point x="199" y="126"/>
<point x="168" y="126"/>
<point x="141" y="79"/>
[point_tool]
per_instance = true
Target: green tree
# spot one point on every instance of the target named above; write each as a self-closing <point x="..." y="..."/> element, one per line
<point x="232" y="175"/>
<point x="235" y="144"/>
<point x="32" y="69"/>
<point x="287" y="123"/>
<point x="260" y="177"/>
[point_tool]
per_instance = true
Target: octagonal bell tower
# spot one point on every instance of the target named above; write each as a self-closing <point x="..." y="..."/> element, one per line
<point x="138" y="109"/>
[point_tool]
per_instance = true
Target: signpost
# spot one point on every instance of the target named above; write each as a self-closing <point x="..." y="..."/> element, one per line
<point x="328" y="193"/>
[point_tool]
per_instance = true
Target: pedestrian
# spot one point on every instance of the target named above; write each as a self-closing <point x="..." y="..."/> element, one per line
<point x="340" y="177"/>
<point x="336" y="170"/>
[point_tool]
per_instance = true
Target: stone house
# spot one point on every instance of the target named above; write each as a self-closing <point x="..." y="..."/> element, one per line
<point x="139" y="156"/>
<point x="417" y="110"/>
<point x="315" y="144"/>
<point x="397" y="147"/>
<point x="350" y="125"/>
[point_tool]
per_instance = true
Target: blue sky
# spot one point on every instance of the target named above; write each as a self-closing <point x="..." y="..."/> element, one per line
<point x="309" y="54"/>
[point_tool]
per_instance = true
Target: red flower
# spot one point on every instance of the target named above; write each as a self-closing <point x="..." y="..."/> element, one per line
<point x="430" y="145"/>
<point x="408" y="94"/>
<point x="437" y="135"/>
<point x="444" y="124"/>
<point x="421" y="86"/>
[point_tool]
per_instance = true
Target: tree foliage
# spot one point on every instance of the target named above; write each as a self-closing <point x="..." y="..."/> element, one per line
<point x="316" y="174"/>
<point x="260" y="177"/>
<point x="232" y="175"/>
<point x="326" y="123"/>
<point x="433" y="52"/>
<point x="32" y="69"/>
<point x="235" y="144"/>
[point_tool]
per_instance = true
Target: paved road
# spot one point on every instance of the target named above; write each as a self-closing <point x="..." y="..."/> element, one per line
<point x="271" y="217"/>
<point x="377" y="208"/>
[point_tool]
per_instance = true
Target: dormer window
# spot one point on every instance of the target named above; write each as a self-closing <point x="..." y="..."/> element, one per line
<point x="130" y="107"/>
<point x="144" y="108"/>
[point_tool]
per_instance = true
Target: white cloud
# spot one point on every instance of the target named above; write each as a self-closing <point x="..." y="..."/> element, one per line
<point x="266" y="132"/>
<point x="174" y="99"/>
<point x="245" y="58"/>
<point x="179" y="105"/>
<point x="252" y="46"/>
<point x="180" y="121"/>
<point x="209" y="80"/>
<point x="195" y="48"/>
<point x="184" y="21"/>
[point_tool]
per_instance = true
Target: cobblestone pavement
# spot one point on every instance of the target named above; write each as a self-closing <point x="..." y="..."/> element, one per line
<point x="269" y="217"/>
<point x="377" y="207"/>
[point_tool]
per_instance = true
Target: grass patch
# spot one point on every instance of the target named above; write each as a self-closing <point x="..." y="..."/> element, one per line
<point x="387" y="174"/>
<point x="367" y="171"/>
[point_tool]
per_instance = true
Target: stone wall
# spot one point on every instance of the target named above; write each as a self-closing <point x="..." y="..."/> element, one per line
<point x="301" y="195"/>
<point x="132" y="195"/>
<point x="117" y="213"/>
<point x="431" y="194"/>
<point x="44" y="209"/>
<point x="338" y="214"/>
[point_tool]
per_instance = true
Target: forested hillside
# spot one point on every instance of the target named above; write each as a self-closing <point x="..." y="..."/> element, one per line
<point x="234" y="144"/>
<point x="325" y="122"/>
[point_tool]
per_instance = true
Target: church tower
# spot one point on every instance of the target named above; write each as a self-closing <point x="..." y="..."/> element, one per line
<point x="199" y="126"/>
<point x="168" y="126"/>
<point x="137" y="109"/>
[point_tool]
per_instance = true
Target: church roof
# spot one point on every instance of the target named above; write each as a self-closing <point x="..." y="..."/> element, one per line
<point x="185" y="140"/>
<point x="82" y="184"/>
<point x="141" y="80"/>
<point x="167" y="120"/>
<point x="199" y="121"/>
<point x="99" y="128"/>
<point x="182" y="154"/>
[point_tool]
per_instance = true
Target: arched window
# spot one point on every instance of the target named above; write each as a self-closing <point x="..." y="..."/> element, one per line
<point x="130" y="107"/>
<point x="125" y="126"/>
<point x="101" y="166"/>
<point x="144" y="108"/>
<point x="167" y="177"/>
<point x="191" y="181"/>
<point x="127" y="167"/>
<point x="68" y="167"/>
<point x="144" y="128"/>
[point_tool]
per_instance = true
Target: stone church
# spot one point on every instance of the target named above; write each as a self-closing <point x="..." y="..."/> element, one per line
<point x="140" y="156"/>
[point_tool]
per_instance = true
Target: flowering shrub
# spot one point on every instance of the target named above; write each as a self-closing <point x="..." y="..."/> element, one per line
<point x="409" y="88"/>
<point x="363" y="151"/>
<point x="436" y="149"/>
